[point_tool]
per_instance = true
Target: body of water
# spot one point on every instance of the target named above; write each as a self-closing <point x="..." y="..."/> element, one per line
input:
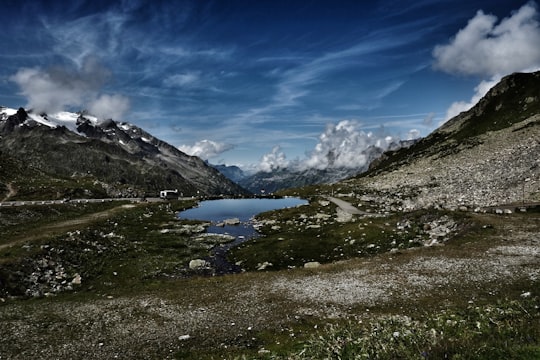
<point x="216" y="211"/>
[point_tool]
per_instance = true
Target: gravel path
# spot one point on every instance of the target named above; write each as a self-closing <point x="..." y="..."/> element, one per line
<point x="346" y="206"/>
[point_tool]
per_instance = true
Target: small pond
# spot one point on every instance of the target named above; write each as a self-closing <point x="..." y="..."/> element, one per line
<point x="217" y="211"/>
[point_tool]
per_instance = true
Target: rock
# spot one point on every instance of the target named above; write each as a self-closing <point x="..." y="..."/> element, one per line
<point x="198" y="264"/>
<point x="232" y="221"/>
<point x="312" y="265"/>
<point x="76" y="280"/>
<point x="264" y="265"/>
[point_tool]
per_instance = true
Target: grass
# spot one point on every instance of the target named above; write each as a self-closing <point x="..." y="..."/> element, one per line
<point x="507" y="329"/>
<point x="116" y="253"/>
<point x="312" y="233"/>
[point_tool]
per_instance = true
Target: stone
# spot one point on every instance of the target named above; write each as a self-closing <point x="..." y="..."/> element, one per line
<point x="233" y="221"/>
<point x="264" y="265"/>
<point x="196" y="264"/>
<point x="312" y="265"/>
<point x="77" y="280"/>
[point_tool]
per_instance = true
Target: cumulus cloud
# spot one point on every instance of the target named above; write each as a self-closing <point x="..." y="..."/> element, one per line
<point x="493" y="50"/>
<point x="484" y="47"/>
<point x="109" y="106"/>
<point x="60" y="88"/>
<point x="344" y="145"/>
<point x="413" y="134"/>
<point x="206" y="149"/>
<point x="273" y="160"/>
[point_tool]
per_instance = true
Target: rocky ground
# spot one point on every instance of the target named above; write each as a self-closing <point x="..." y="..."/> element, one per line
<point x="258" y="313"/>
<point x="492" y="171"/>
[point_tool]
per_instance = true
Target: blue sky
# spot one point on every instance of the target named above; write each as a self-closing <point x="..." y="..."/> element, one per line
<point x="265" y="83"/>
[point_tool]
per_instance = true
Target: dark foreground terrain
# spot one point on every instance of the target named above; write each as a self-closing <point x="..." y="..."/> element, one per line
<point x="114" y="281"/>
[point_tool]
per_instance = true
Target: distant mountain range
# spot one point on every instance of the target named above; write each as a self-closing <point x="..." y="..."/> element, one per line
<point x="264" y="182"/>
<point x="487" y="155"/>
<point x="74" y="154"/>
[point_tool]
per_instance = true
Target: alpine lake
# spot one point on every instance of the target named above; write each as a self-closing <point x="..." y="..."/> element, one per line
<point x="234" y="217"/>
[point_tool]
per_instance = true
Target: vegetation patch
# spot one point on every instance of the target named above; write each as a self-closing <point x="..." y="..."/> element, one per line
<point x="321" y="233"/>
<point x="505" y="330"/>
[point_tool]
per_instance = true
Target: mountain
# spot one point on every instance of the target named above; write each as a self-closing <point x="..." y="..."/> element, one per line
<point x="486" y="156"/>
<point x="105" y="158"/>
<point x="284" y="178"/>
<point x="232" y="172"/>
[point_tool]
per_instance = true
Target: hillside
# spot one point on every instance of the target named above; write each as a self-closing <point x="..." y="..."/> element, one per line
<point x="77" y="155"/>
<point x="486" y="156"/>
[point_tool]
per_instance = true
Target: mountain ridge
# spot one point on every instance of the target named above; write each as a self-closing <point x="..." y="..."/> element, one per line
<point x="120" y="158"/>
<point x="486" y="156"/>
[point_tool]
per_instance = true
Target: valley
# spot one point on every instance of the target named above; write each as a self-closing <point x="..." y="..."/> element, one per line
<point x="433" y="252"/>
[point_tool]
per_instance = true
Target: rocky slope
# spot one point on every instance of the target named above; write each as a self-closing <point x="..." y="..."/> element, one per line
<point x="489" y="155"/>
<point x="121" y="158"/>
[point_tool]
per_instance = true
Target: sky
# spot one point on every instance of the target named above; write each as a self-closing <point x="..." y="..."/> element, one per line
<point x="267" y="83"/>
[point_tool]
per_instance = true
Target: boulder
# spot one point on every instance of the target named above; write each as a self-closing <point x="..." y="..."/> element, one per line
<point x="264" y="265"/>
<point x="196" y="264"/>
<point x="312" y="265"/>
<point x="76" y="280"/>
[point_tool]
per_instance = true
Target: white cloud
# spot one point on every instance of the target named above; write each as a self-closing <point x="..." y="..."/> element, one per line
<point x="489" y="49"/>
<point x="413" y="134"/>
<point x="344" y="146"/>
<point x="484" y="47"/>
<point x="428" y="120"/>
<point x="273" y="160"/>
<point x="206" y="149"/>
<point x="109" y="107"/>
<point x="56" y="89"/>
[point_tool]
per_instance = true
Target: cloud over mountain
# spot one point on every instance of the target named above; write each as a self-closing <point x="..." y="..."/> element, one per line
<point x="273" y="160"/>
<point x="341" y="145"/>
<point x="60" y="88"/>
<point x="206" y="149"/>
<point x="487" y="48"/>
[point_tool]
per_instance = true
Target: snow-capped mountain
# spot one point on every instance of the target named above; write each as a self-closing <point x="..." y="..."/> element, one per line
<point x="117" y="155"/>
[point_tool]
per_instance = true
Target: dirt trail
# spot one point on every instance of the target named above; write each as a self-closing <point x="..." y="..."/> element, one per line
<point x="346" y="206"/>
<point x="57" y="228"/>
